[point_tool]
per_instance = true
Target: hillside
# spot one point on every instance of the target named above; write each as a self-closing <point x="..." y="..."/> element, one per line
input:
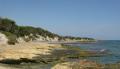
<point x="17" y="33"/>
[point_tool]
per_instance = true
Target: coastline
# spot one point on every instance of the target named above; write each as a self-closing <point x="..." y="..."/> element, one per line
<point x="53" y="56"/>
<point x="32" y="52"/>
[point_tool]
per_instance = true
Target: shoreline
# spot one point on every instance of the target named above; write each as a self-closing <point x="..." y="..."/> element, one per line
<point x="73" y="42"/>
<point x="43" y="53"/>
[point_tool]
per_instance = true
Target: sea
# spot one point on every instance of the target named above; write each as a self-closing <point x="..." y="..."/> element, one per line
<point x="111" y="46"/>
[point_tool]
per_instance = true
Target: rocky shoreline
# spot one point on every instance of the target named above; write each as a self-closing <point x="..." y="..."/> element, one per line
<point x="35" y="55"/>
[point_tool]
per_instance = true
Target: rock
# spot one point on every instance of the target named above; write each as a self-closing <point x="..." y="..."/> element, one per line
<point x="3" y="39"/>
<point x="82" y="64"/>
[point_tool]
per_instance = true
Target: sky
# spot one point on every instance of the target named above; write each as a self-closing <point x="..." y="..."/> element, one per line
<point x="98" y="19"/>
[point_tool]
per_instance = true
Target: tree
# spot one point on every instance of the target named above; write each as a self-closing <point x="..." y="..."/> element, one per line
<point x="7" y="25"/>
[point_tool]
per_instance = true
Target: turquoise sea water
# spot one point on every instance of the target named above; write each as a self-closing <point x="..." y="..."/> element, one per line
<point x="112" y="46"/>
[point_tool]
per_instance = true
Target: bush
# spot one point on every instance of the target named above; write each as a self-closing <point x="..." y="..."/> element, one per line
<point x="11" y="38"/>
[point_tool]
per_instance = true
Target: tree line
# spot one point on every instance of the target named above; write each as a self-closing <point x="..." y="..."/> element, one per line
<point x="13" y="31"/>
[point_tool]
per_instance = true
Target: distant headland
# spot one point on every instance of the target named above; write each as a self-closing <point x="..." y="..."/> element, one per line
<point x="16" y="34"/>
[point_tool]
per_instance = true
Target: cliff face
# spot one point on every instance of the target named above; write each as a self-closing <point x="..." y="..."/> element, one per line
<point x="3" y="39"/>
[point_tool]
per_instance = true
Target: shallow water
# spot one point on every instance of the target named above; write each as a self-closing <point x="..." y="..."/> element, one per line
<point x="112" y="46"/>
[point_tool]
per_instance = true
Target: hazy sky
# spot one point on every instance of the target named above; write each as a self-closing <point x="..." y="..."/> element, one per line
<point x="89" y="18"/>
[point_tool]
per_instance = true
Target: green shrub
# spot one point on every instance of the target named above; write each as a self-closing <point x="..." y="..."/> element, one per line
<point x="11" y="38"/>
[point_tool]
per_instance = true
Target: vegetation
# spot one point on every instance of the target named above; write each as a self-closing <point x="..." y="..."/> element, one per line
<point x="12" y="37"/>
<point x="78" y="38"/>
<point x="13" y="31"/>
